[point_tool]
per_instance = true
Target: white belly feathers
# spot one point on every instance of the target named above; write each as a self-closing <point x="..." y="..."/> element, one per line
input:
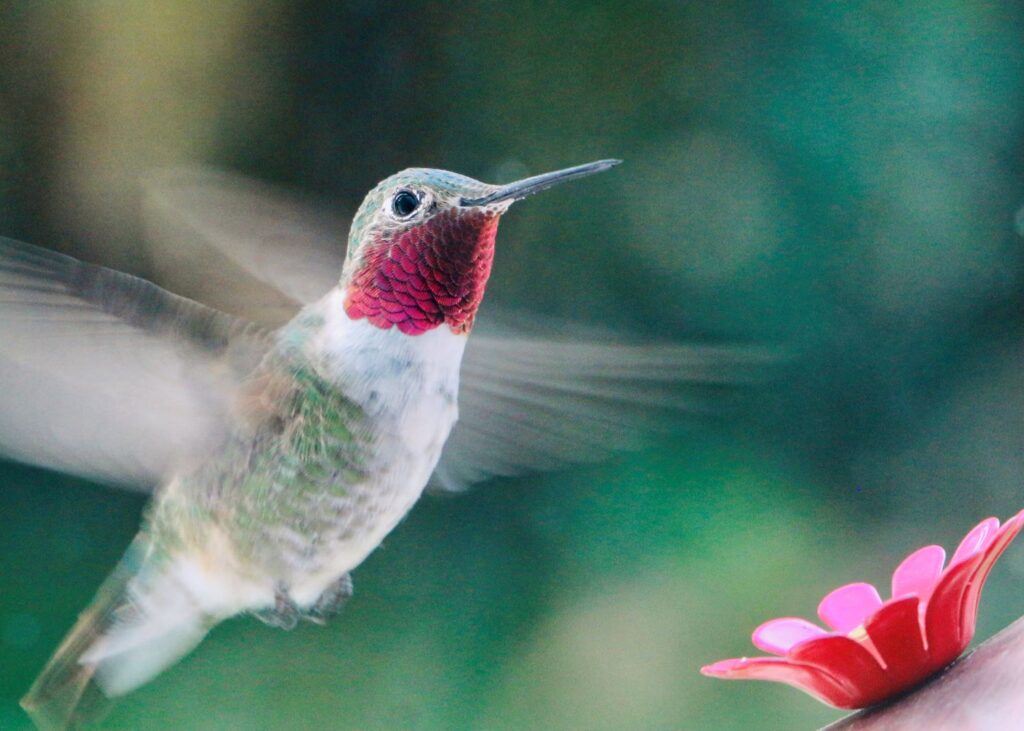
<point x="407" y="386"/>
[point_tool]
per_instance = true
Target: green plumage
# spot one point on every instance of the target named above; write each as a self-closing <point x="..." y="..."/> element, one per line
<point x="291" y="473"/>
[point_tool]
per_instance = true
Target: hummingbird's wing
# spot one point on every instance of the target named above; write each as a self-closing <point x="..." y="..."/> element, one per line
<point x="106" y="375"/>
<point x="528" y="404"/>
<point x="285" y="251"/>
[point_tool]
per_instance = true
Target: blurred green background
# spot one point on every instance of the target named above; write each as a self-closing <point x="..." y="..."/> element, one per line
<point x="839" y="178"/>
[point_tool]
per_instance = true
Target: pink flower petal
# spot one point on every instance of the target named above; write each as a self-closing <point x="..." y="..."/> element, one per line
<point x="847" y="607"/>
<point x="779" y="635"/>
<point x="812" y="680"/>
<point x="895" y="632"/>
<point x="882" y="649"/>
<point x="974" y="542"/>
<point x="846" y="660"/>
<point x="919" y="572"/>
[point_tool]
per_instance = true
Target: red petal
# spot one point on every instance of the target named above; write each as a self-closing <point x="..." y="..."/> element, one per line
<point x="809" y="679"/>
<point x="943" y="613"/>
<point x="850" y="664"/>
<point x="969" y="607"/>
<point x="895" y="631"/>
<point x="952" y="610"/>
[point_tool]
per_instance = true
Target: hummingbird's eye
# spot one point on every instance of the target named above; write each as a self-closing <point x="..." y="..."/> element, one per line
<point x="405" y="203"/>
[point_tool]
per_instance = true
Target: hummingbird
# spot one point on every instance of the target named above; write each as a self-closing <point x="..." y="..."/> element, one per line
<point x="282" y="457"/>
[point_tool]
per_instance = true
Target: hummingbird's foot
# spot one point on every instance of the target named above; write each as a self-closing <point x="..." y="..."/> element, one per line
<point x="330" y="602"/>
<point x="284" y="614"/>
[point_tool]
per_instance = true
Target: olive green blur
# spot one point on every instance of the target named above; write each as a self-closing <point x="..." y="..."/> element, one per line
<point x="839" y="180"/>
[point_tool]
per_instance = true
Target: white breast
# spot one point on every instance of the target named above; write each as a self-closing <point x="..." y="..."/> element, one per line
<point x="407" y="385"/>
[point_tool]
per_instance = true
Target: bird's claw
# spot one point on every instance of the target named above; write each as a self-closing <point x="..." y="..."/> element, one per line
<point x="330" y="602"/>
<point x="285" y="614"/>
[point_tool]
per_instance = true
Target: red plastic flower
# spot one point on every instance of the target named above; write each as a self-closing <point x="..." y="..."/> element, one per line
<point x="877" y="649"/>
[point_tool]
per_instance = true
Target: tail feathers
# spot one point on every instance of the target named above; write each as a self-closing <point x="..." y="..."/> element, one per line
<point x="139" y="624"/>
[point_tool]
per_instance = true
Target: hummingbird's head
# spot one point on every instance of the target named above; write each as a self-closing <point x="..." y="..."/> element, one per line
<point x="421" y="246"/>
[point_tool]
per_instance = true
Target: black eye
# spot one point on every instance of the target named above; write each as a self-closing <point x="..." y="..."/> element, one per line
<point x="405" y="203"/>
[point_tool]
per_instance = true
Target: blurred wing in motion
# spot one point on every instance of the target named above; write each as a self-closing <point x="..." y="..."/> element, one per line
<point x="108" y="376"/>
<point x="532" y="397"/>
<point x="284" y="252"/>
<point x="529" y="403"/>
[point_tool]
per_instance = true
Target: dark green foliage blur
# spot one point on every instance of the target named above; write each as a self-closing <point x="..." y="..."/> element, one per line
<point x="838" y="179"/>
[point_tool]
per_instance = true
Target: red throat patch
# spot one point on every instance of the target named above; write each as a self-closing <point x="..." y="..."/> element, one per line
<point x="427" y="276"/>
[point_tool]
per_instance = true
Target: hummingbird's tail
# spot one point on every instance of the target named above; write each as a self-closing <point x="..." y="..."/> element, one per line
<point x="143" y="619"/>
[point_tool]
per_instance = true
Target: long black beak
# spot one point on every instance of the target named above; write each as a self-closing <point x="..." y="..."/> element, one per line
<point x="528" y="186"/>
